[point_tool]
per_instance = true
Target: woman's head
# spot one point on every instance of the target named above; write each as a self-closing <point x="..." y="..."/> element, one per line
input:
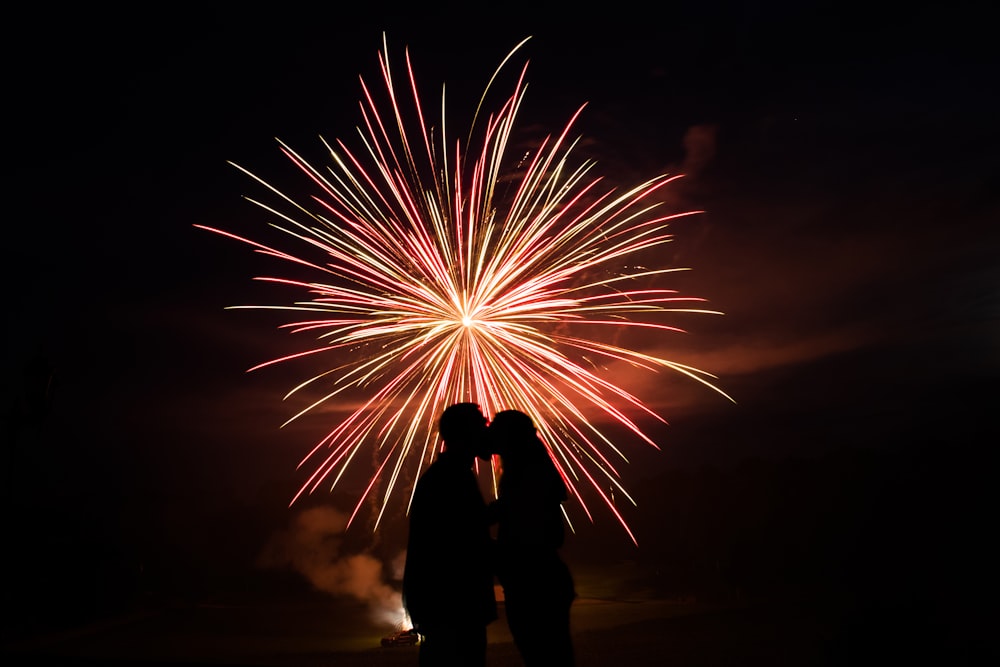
<point x="514" y="437"/>
<point x="523" y="454"/>
<point x="511" y="426"/>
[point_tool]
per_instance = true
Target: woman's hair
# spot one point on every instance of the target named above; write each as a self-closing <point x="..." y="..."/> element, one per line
<point x="523" y="453"/>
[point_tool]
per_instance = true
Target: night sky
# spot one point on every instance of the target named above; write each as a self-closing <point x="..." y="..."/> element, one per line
<point x="844" y="158"/>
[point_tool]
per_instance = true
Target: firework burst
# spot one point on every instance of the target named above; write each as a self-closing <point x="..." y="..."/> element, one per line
<point x="428" y="287"/>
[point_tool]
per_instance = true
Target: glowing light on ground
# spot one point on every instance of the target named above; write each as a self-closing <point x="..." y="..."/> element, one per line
<point x="428" y="286"/>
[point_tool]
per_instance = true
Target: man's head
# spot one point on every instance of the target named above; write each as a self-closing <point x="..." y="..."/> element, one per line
<point x="463" y="428"/>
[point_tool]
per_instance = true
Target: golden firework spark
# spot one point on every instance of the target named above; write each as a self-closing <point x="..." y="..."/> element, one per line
<point x="452" y="292"/>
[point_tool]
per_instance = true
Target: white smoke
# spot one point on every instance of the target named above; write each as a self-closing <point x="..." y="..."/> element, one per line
<point x="312" y="546"/>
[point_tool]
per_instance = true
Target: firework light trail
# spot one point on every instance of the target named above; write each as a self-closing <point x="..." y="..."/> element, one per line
<point x="428" y="288"/>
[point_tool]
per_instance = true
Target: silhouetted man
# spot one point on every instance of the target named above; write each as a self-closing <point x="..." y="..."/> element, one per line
<point x="448" y="578"/>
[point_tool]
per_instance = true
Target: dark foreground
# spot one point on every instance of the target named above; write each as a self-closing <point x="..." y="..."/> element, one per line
<point x="606" y="632"/>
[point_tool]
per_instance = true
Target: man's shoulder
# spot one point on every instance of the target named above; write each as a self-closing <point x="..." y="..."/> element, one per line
<point x="442" y="466"/>
<point x="429" y="477"/>
<point x="441" y="476"/>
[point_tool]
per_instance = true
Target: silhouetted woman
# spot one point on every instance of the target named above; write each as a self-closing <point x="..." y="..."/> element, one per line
<point x="537" y="584"/>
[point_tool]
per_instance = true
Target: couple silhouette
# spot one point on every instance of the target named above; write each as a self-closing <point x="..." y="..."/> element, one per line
<point x="452" y="558"/>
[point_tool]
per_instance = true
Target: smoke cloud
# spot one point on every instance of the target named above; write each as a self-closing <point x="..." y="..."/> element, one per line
<point x="313" y="545"/>
<point x="699" y="148"/>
